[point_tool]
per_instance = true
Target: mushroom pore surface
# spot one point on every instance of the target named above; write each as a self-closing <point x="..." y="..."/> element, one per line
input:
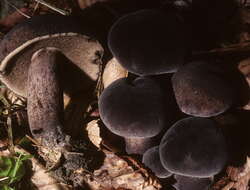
<point x="194" y="147"/>
<point x="149" y="42"/>
<point x="202" y="89"/>
<point x="151" y="159"/>
<point x="133" y="108"/>
<point x="61" y="32"/>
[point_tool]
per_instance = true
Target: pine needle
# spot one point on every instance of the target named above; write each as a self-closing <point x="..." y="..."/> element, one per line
<point x="63" y="12"/>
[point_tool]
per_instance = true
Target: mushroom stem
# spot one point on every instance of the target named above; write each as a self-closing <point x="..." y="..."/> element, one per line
<point x="138" y="145"/>
<point x="45" y="97"/>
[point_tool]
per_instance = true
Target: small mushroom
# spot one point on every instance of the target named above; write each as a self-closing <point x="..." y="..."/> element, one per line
<point x="194" y="147"/>
<point x="41" y="59"/>
<point x="151" y="159"/>
<point x="202" y="89"/>
<point x="149" y="42"/>
<point x="133" y="110"/>
<point x="192" y="183"/>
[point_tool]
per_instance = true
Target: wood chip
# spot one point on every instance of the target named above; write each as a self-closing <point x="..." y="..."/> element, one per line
<point x="235" y="178"/>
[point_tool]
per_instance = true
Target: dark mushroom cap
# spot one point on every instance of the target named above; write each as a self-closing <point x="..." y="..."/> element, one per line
<point x="192" y="183"/>
<point x="149" y="42"/>
<point x="62" y="32"/>
<point x="202" y="89"/>
<point x="194" y="147"/>
<point x="151" y="159"/>
<point x="133" y="108"/>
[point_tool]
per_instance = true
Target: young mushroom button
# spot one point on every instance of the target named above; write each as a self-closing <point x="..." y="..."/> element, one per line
<point x="151" y="159"/>
<point x="133" y="110"/>
<point x="43" y="57"/>
<point x="149" y="42"/>
<point x="194" y="147"/>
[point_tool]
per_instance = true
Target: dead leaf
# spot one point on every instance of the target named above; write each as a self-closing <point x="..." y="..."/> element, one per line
<point x="112" y="72"/>
<point x="94" y="133"/>
<point x="235" y="178"/>
<point x="117" y="173"/>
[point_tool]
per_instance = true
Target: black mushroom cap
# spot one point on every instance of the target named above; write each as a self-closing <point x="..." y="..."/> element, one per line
<point x="192" y="183"/>
<point x="194" y="147"/>
<point x="149" y="42"/>
<point x="151" y="159"/>
<point x="133" y="109"/>
<point x="202" y="89"/>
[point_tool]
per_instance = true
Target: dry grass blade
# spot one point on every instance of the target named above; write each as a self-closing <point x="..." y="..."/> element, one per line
<point x="63" y="12"/>
<point x="10" y="135"/>
<point x="240" y="47"/>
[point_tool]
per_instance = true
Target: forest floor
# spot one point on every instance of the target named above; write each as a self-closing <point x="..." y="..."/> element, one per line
<point x="21" y="167"/>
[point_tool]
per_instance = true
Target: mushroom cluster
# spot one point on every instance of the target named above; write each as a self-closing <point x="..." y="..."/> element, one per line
<point x="57" y="55"/>
<point x="159" y="42"/>
<point x="193" y="150"/>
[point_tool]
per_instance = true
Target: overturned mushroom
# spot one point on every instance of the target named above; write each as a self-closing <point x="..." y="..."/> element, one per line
<point x="151" y="159"/>
<point x="149" y="42"/>
<point x="40" y="59"/>
<point x="134" y="110"/>
<point x="194" y="147"/>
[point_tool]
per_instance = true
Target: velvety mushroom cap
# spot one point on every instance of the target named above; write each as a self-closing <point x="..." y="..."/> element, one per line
<point x="192" y="183"/>
<point x="62" y="32"/>
<point x="151" y="159"/>
<point x="194" y="147"/>
<point x="133" y="108"/>
<point x="149" y="42"/>
<point x="202" y="89"/>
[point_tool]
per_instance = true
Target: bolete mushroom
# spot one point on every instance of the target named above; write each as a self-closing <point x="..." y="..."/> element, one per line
<point x="203" y="89"/>
<point x="194" y="147"/>
<point x="151" y="159"/>
<point x="149" y="42"/>
<point x="192" y="183"/>
<point x="134" y="110"/>
<point x="43" y="57"/>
